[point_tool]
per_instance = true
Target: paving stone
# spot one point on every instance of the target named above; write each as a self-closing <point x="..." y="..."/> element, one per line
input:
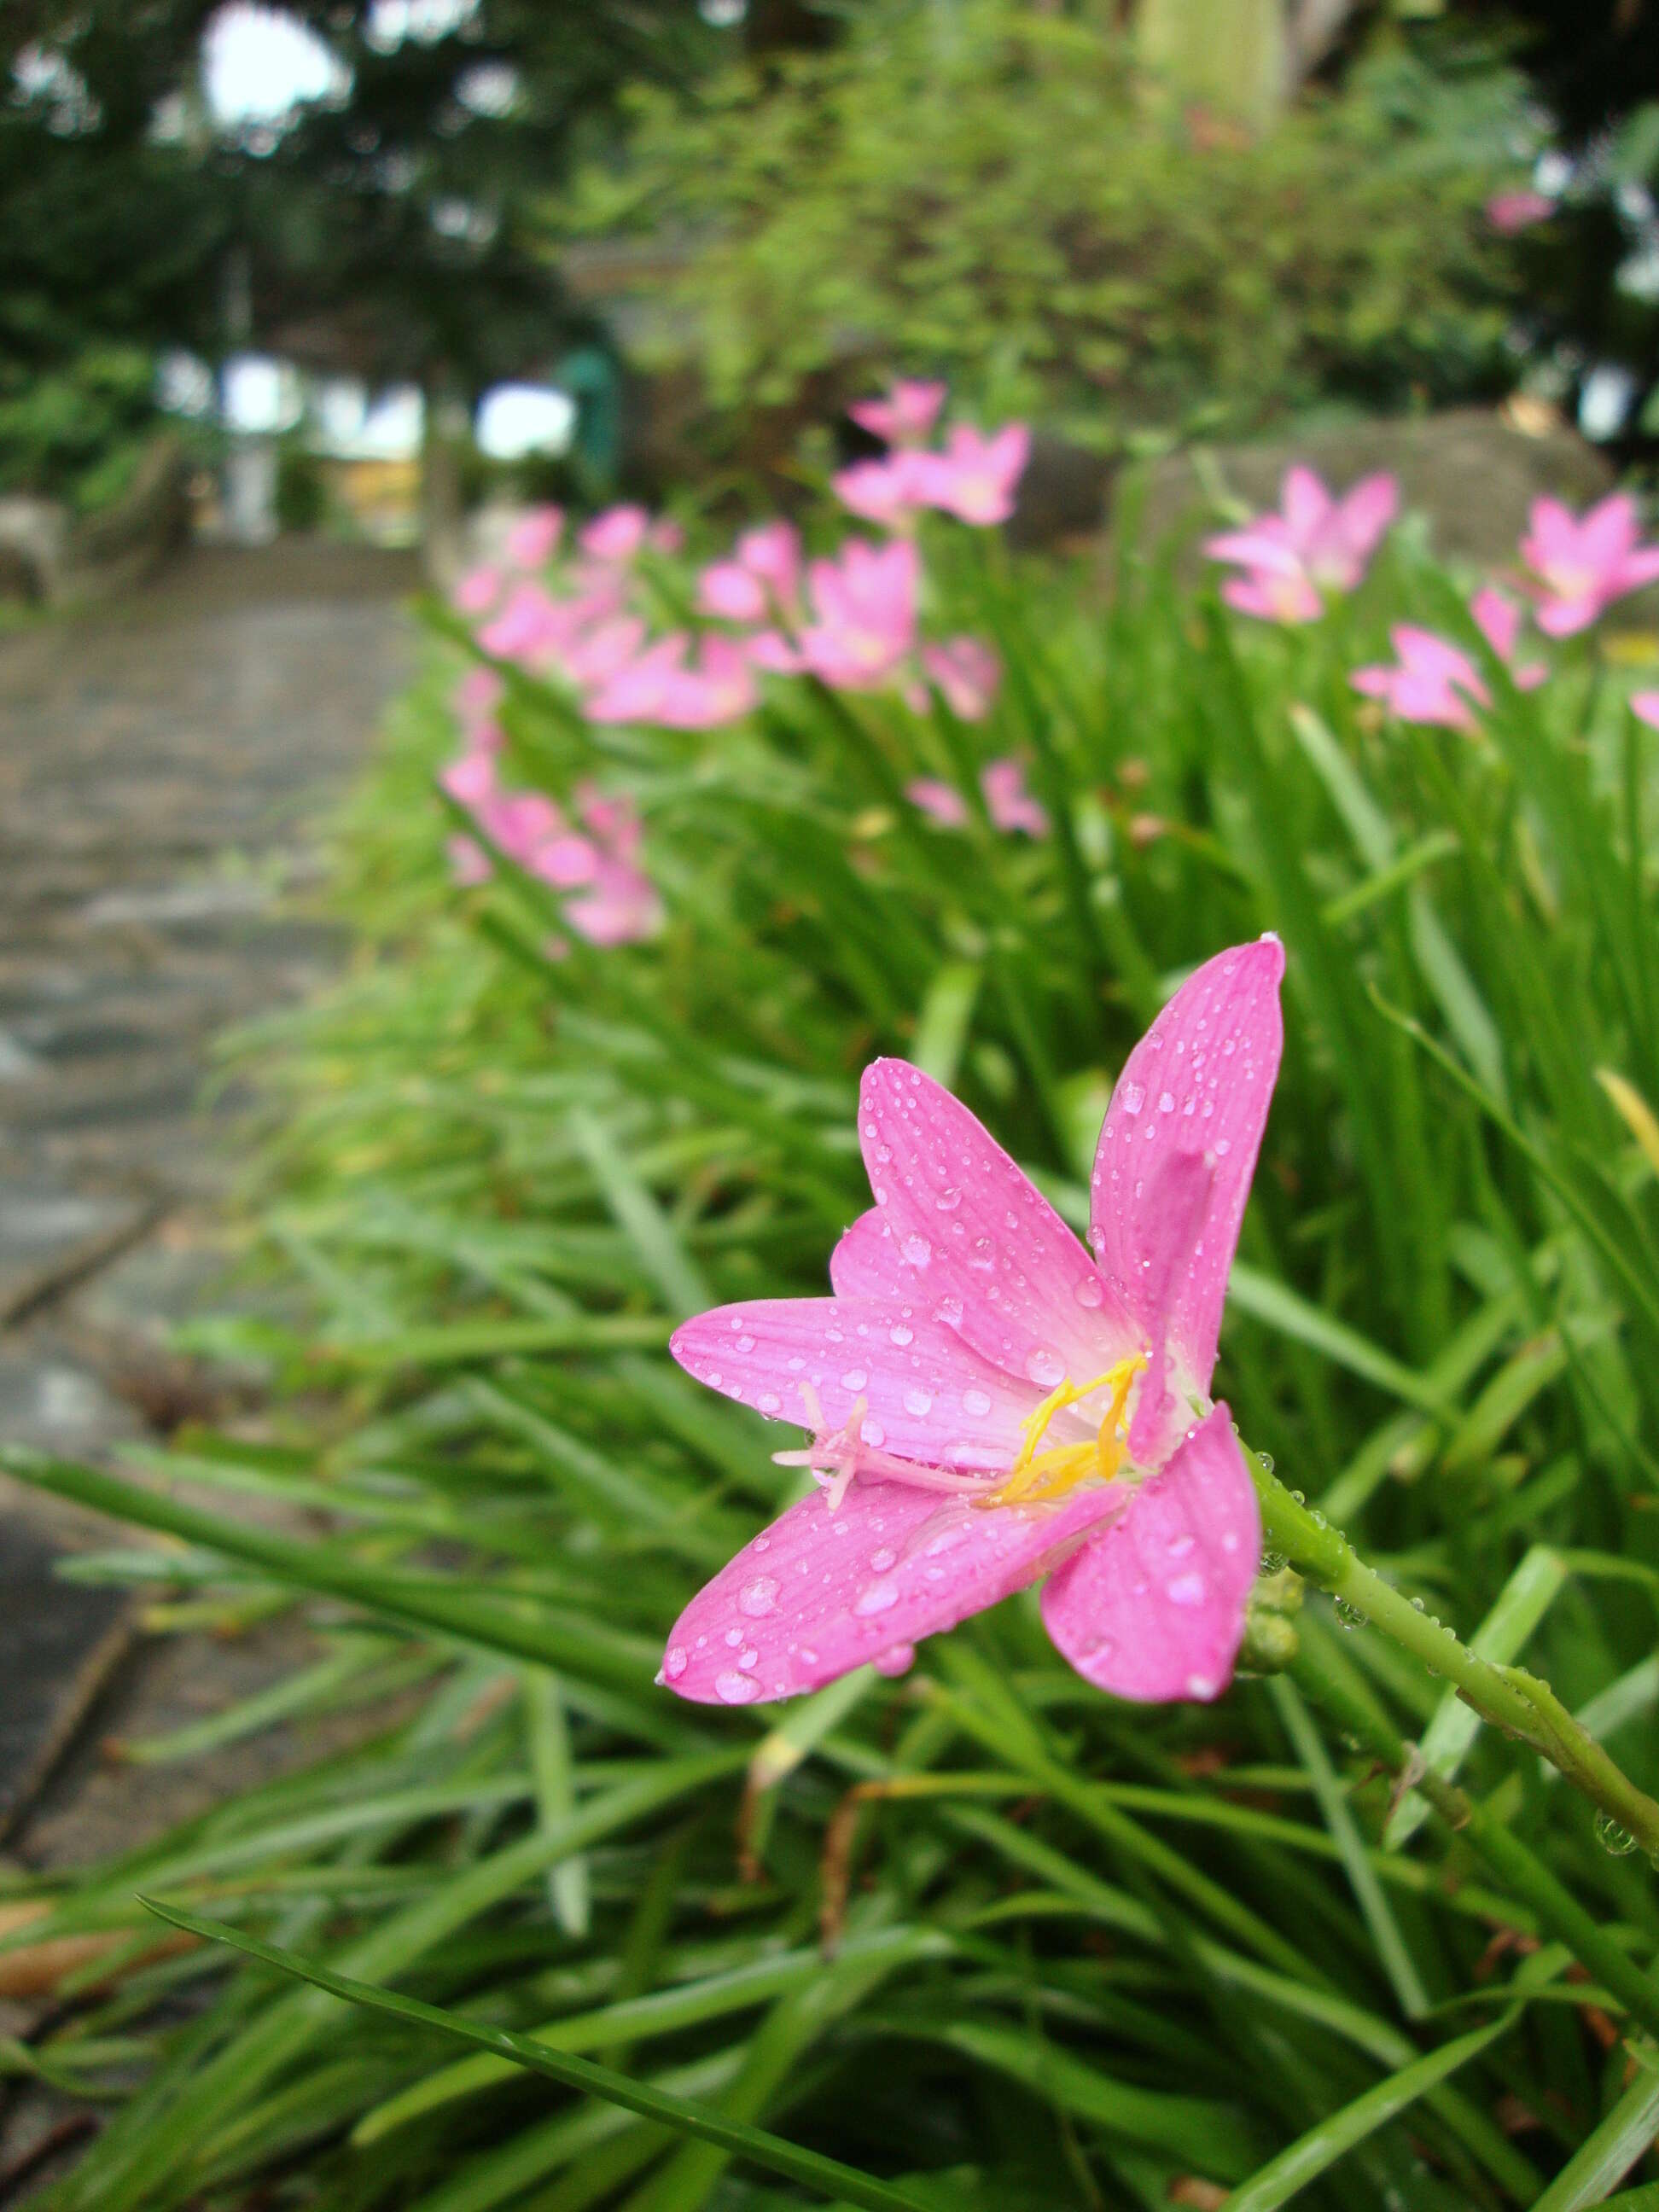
<point x="58" y="1643"/>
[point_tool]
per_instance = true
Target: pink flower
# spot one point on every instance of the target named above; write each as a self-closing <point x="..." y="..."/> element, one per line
<point x="942" y="802"/>
<point x="534" y="538"/>
<point x="973" y="478"/>
<point x="477" y="592"/>
<point x="772" y="552"/>
<point x="1008" y="803"/>
<point x="619" y="903"/>
<point x="990" y="1404"/>
<point x="1313" y="544"/>
<point x="530" y="627"/>
<point x="1645" y="705"/>
<point x="657" y="686"/>
<point x="967" y="673"/>
<point x="1433" y="683"/>
<point x="1509" y="212"/>
<point x="478" y="695"/>
<point x="1582" y="564"/>
<point x="864" y="604"/>
<point x="905" y="417"/>
<point x="616" y="535"/>
<point x="887" y="491"/>
<point x="731" y="592"/>
<point x="470" y="779"/>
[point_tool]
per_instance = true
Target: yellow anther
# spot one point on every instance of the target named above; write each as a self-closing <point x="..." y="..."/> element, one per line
<point x="1036" y="1476"/>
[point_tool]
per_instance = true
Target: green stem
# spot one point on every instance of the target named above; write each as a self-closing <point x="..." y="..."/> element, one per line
<point x="1524" y="1875"/>
<point x="1508" y="1697"/>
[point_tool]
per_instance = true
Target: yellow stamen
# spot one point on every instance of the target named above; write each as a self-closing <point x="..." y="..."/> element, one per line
<point x="1036" y="1476"/>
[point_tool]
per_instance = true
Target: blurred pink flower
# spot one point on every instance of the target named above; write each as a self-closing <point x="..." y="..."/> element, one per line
<point x="1008" y="803"/>
<point x="729" y="591"/>
<point x="772" y="552"/>
<point x="470" y="780"/>
<point x="639" y="689"/>
<point x="1645" y="705"/>
<point x="477" y="592"/>
<point x="967" y="672"/>
<point x="973" y="478"/>
<point x="1435" y="682"/>
<point x="657" y="686"/>
<point x="1509" y="212"/>
<point x="1314" y="544"/>
<point x="534" y="538"/>
<point x="478" y="693"/>
<point x="943" y="801"/>
<point x="886" y="491"/>
<point x="990" y="1404"/>
<point x="619" y="904"/>
<point x="864" y="605"/>
<point x="905" y="417"/>
<point x="615" y="534"/>
<point x="1582" y="564"/>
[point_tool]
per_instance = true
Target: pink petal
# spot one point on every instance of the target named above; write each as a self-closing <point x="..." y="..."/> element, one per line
<point x="1498" y="619"/>
<point x="1196" y="1088"/>
<point x="1303" y="501"/>
<point x="819" y="1593"/>
<point x="1152" y="1608"/>
<point x="990" y="1256"/>
<point x="1645" y="705"/>
<point x="926" y="1396"/>
<point x="865" y="1264"/>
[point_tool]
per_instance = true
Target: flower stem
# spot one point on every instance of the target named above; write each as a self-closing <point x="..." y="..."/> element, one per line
<point x="1508" y="1697"/>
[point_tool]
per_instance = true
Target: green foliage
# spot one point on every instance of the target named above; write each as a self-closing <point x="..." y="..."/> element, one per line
<point x="991" y="191"/>
<point x="1082" y="1955"/>
<point x="81" y="429"/>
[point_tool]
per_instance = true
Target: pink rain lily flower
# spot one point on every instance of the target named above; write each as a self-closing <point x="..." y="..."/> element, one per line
<point x="477" y="592"/>
<point x="990" y="1403"/>
<point x="905" y="417"/>
<point x="616" y="535"/>
<point x="1435" y="682"/>
<point x="1645" y="705"/>
<point x="864" y="604"/>
<point x="772" y="552"/>
<point x="534" y="538"/>
<point x="731" y="592"/>
<point x="1510" y="212"/>
<point x="967" y="673"/>
<point x="1315" y="544"/>
<point x="1009" y="806"/>
<point x="889" y="491"/>
<point x="1582" y="564"/>
<point x="619" y="903"/>
<point x="974" y="477"/>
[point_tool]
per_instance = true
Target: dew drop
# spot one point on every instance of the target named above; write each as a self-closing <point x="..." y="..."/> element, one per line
<point x="855" y="1379"/>
<point x="977" y="1401"/>
<point x="898" y="1660"/>
<point x="949" y="1310"/>
<point x="949" y="1199"/>
<point x="1088" y="1290"/>
<point x="918" y="1402"/>
<point x="881" y="1560"/>
<point x="1132" y="1098"/>
<point x="769" y="1401"/>
<point x="1613" y="1836"/>
<point x="735" y="1689"/>
<point x="733" y="1638"/>
<point x="676" y="1663"/>
<point x="745" y="1344"/>
<point x="873" y="1434"/>
<point x="1166" y="1103"/>
<point x="1187" y="1590"/>
<point x="879" y="1597"/>
<point x="1046" y="1367"/>
<point x="916" y="1249"/>
<point x="1202" y="1686"/>
<point x="900" y="1334"/>
<point x="758" y="1597"/>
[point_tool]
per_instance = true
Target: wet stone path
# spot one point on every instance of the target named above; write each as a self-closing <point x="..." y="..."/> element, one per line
<point x="163" y="768"/>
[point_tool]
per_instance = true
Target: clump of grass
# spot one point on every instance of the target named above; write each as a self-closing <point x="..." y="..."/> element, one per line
<point x="980" y="1936"/>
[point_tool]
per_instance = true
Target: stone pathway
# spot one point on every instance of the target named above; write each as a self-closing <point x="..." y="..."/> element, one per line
<point x="162" y="767"/>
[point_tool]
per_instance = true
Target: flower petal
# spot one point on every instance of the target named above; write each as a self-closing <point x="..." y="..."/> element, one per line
<point x="926" y="1396"/>
<point x="865" y="1264"/>
<point x="1197" y="1085"/>
<point x="990" y="1256"/>
<point x="819" y="1593"/>
<point x="1152" y="1608"/>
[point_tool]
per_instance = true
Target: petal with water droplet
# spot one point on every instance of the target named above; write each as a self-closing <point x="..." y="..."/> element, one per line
<point x="1153" y="1606"/>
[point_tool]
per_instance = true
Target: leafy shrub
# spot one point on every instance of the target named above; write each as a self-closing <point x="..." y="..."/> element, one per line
<point x="78" y="431"/>
<point x="991" y="192"/>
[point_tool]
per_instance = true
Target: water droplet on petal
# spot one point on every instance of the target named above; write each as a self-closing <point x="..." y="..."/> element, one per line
<point x="976" y="1402"/>
<point x="1045" y="1367"/>
<point x="1166" y="1103"/>
<point x="873" y="1434"/>
<point x="917" y="1251"/>
<point x="918" y="1402"/>
<point x="1202" y="1686"/>
<point x="758" y="1597"/>
<point x="733" y="1638"/>
<point x="1131" y="1097"/>
<point x="879" y="1597"/>
<point x="897" y="1661"/>
<point x="769" y="1401"/>
<point x="677" y="1661"/>
<point x="900" y="1334"/>
<point x="855" y="1379"/>
<point x="881" y="1560"/>
<point x="949" y="1199"/>
<point x="736" y="1689"/>
<point x="1089" y="1291"/>
<point x="1189" y="1589"/>
<point x="745" y="1344"/>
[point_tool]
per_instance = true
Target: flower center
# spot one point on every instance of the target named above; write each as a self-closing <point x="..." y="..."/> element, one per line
<point x="1041" y="1475"/>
